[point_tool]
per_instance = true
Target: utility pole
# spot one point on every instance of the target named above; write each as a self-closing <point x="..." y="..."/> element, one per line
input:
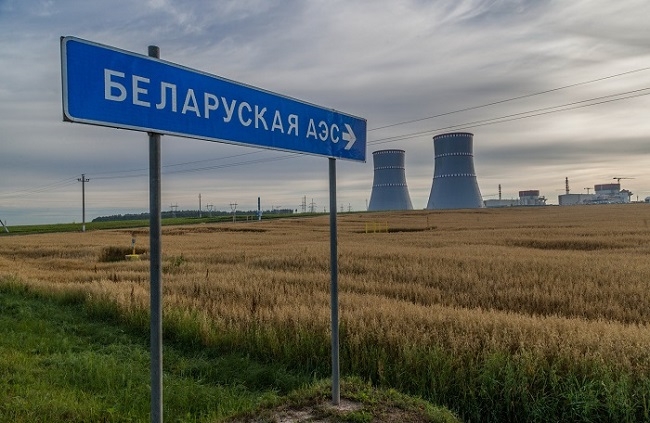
<point x="199" y="205"/>
<point x="83" y="181"/>
<point x="7" y="229"/>
<point x="173" y="207"/>
<point x="209" y="206"/>
<point x="233" y="207"/>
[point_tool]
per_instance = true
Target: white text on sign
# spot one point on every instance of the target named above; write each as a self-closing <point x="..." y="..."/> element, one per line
<point x="206" y="105"/>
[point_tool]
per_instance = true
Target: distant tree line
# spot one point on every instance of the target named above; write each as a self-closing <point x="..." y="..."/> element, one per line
<point x="188" y="214"/>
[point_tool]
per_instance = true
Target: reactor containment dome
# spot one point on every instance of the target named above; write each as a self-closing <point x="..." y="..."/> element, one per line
<point x="454" y="179"/>
<point x="389" y="189"/>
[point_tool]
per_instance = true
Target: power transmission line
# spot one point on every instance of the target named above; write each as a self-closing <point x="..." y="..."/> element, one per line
<point x="202" y="169"/>
<point x="40" y="189"/>
<point x="518" y="116"/>
<point x="494" y="103"/>
<point x="385" y="140"/>
<point x="166" y="166"/>
<point x="233" y="207"/>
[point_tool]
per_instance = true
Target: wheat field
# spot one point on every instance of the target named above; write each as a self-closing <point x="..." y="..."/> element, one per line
<point x="561" y="284"/>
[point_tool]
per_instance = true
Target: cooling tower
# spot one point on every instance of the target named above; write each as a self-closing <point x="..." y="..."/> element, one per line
<point x="389" y="190"/>
<point x="454" y="181"/>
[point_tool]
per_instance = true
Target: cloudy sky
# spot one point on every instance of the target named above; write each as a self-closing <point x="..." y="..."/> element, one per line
<point x="550" y="89"/>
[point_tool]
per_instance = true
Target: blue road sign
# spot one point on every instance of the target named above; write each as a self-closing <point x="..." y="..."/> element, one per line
<point x="110" y="87"/>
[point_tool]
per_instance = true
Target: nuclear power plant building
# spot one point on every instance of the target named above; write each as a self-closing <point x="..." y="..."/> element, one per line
<point x="454" y="179"/>
<point x="389" y="189"/>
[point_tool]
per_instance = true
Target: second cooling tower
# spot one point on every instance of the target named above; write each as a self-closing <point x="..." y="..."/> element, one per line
<point x="454" y="179"/>
<point x="389" y="190"/>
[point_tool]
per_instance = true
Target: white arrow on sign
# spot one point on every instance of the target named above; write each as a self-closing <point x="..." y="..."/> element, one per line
<point x="349" y="137"/>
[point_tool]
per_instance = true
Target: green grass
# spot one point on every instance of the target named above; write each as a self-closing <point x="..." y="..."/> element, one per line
<point x="59" y="364"/>
<point x="369" y="404"/>
<point x="93" y="226"/>
<point x="127" y="224"/>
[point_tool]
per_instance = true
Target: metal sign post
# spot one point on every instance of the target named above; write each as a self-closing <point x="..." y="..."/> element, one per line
<point x="155" y="247"/>
<point x="334" y="286"/>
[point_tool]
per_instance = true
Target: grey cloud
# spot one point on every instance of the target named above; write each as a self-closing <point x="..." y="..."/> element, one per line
<point x="386" y="61"/>
<point x="566" y="151"/>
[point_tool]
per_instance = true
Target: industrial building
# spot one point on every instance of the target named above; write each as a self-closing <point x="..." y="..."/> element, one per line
<point x="526" y="198"/>
<point x="531" y="198"/>
<point x="611" y="194"/>
<point x="454" y="179"/>
<point x="389" y="189"/>
<point x="603" y="194"/>
<point x="501" y="203"/>
<point x="574" y="199"/>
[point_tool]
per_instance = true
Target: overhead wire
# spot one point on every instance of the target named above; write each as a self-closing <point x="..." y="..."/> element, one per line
<point x="98" y="175"/>
<point x="521" y="115"/>
<point x="381" y="140"/>
<point x="494" y="103"/>
<point x="201" y="169"/>
<point x="395" y="138"/>
<point x="40" y="189"/>
<point x="227" y="165"/>
<point x="468" y="125"/>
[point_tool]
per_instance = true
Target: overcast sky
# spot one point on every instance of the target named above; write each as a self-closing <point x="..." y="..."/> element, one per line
<point x="387" y="61"/>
